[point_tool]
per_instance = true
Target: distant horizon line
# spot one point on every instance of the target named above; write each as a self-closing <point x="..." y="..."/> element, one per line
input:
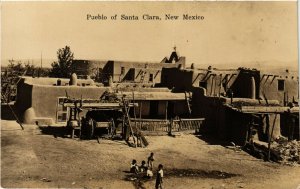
<point x="254" y="64"/>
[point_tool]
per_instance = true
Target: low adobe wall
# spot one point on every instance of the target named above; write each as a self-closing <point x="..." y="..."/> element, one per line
<point x="44" y="98"/>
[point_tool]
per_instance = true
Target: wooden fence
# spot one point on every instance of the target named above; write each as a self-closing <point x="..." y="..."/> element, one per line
<point x="163" y="126"/>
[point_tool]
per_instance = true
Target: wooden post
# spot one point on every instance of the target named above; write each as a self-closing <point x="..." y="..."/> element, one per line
<point x="141" y="114"/>
<point x="73" y="133"/>
<point x="171" y="125"/>
<point x="166" y="111"/>
<point x="220" y="84"/>
<point x="134" y="109"/>
<point x="270" y="138"/>
<point x="212" y="86"/>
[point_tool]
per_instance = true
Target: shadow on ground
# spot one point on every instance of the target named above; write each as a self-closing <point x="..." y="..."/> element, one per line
<point x="62" y="132"/>
<point x="212" y="140"/>
<point x="250" y="149"/>
<point x="65" y="132"/>
<point x="139" y="180"/>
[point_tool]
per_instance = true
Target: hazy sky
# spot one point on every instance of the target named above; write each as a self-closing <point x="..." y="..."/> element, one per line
<point x="230" y="32"/>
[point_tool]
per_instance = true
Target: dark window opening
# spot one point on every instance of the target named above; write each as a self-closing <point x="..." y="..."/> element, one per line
<point x="151" y="77"/>
<point x="203" y="84"/>
<point x="280" y="85"/>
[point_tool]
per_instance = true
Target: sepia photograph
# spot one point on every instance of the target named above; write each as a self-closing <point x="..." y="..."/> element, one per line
<point x="150" y="95"/>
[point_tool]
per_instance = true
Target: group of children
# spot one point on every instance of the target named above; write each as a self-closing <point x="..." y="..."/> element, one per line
<point x="146" y="170"/>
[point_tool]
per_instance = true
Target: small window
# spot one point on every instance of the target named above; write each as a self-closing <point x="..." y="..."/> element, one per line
<point x="280" y="85"/>
<point x="151" y="77"/>
<point x="122" y="70"/>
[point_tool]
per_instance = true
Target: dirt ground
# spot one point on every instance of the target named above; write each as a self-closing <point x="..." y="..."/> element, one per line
<point x="30" y="158"/>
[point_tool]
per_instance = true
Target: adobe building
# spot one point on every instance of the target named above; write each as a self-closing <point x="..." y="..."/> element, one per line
<point x="280" y="85"/>
<point x="234" y="102"/>
<point x="224" y="97"/>
<point x="44" y="96"/>
<point x="40" y="100"/>
<point x="126" y="71"/>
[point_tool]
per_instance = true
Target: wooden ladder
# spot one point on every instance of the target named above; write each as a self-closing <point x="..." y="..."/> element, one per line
<point x="133" y="131"/>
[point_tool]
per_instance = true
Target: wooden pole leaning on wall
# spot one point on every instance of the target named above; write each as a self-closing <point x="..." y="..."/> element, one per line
<point x="127" y="119"/>
<point x="134" y="112"/>
<point x="135" y="124"/>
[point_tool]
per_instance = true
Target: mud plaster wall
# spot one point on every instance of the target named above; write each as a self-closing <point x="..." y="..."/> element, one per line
<point x="224" y="122"/>
<point x="44" y="98"/>
<point x="203" y="107"/>
<point x="235" y="127"/>
<point x="242" y="86"/>
<point x="185" y="80"/>
<point x="269" y="87"/>
<point x="150" y="68"/>
<point x="88" y="67"/>
<point x="216" y="80"/>
<point x="181" y="80"/>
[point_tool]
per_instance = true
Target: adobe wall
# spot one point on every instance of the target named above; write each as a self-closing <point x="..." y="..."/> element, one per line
<point x="269" y="87"/>
<point x="203" y="106"/>
<point x="88" y="67"/>
<point x="226" y="123"/>
<point x="44" y="98"/>
<point x="235" y="127"/>
<point x="217" y="81"/>
<point x="180" y="80"/>
<point x="137" y="67"/>
<point x="53" y="81"/>
<point x="242" y="87"/>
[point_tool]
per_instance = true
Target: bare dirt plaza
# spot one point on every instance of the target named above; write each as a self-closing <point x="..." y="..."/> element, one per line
<point x="32" y="159"/>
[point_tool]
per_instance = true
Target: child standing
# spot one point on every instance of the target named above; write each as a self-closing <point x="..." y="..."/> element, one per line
<point x="150" y="160"/>
<point x="159" y="177"/>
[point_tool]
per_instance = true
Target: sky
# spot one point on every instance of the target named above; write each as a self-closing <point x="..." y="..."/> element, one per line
<point x="234" y="33"/>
